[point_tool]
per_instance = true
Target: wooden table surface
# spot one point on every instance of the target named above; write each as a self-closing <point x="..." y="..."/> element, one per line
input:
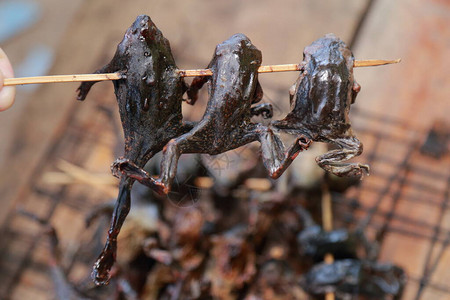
<point x="417" y="92"/>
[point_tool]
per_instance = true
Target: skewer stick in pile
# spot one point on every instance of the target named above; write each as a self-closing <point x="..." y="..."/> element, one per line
<point x="184" y="73"/>
<point x="327" y="223"/>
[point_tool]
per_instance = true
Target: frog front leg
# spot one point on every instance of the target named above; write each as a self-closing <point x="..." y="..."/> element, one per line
<point x="264" y="109"/>
<point x="196" y="84"/>
<point x="85" y="87"/>
<point x="333" y="161"/>
<point x="275" y="158"/>
<point x="258" y="94"/>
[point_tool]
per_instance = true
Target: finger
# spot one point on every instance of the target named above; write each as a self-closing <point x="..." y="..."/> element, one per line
<point x="7" y="94"/>
<point x="2" y="80"/>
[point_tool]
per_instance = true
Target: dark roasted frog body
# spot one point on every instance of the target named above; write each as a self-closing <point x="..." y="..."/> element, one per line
<point x="226" y="124"/>
<point x="314" y="242"/>
<point x="233" y="88"/>
<point x="149" y="98"/>
<point x="150" y="93"/>
<point x="351" y="277"/>
<point x="320" y="103"/>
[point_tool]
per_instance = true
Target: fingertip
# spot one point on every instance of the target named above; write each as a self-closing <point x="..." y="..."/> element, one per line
<point x="5" y="65"/>
<point x="2" y="80"/>
<point x="7" y="95"/>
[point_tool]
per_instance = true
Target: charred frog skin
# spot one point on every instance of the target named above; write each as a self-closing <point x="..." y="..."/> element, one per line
<point x="149" y="98"/>
<point x="314" y="242"/>
<point x="226" y="124"/>
<point x="352" y="277"/>
<point x="320" y="104"/>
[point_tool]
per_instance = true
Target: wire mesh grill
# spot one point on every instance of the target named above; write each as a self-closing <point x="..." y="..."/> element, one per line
<point x="404" y="202"/>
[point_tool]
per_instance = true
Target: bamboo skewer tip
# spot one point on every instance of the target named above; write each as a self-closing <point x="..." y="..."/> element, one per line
<point x="375" y="62"/>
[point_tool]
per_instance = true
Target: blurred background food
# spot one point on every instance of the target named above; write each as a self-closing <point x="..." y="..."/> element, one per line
<point x="55" y="152"/>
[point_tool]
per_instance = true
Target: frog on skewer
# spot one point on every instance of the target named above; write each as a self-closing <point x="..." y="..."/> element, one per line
<point x="226" y="124"/>
<point x="320" y="103"/>
<point x="149" y="96"/>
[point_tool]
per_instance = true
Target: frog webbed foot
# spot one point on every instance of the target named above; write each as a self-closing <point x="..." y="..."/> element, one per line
<point x="334" y="161"/>
<point x="276" y="158"/>
<point x="116" y="166"/>
<point x="130" y="169"/>
<point x="263" y="109"/>
<point x="102" y="267"/>
<point x="355" y="170"/>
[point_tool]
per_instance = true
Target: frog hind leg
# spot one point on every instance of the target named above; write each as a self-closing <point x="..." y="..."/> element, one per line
<point x="198" y="141"/>
<point x="169" y="162"/>
<point x="129" y="169"/>
<point x="334" y="161"/>
<point x="275" y="158"/>
<point x="104" y="263"/>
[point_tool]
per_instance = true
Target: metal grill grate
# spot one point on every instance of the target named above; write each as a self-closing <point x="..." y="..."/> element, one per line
<point x="404" y="202"/>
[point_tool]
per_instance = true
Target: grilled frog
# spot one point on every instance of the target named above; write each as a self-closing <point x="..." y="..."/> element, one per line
<point x="352" y="277"/>
<point x="226" y="124"/>
<point x="320" y="104"/>
<point x="149" y="96"/>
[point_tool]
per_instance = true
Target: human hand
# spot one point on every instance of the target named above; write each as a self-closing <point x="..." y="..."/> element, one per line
<point x="8" y="93"/>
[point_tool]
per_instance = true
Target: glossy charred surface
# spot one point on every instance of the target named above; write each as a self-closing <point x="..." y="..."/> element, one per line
<point x="233" y="88"/>
<point x="149" y="98"/>
<point x="350" y="277"/>
<point x="320" y="103"/>
<point x="314" y="242"/>
<point x="226" y="124"/>
<point x="150" y="94"/>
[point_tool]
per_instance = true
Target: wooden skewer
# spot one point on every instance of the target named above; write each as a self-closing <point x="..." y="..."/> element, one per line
<point x="184" y="73"/>
<point x="262" y="69"/>
<point x="327" y="222"/>
<point x="375" y="62"/>
<point x="62" y="78"/>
